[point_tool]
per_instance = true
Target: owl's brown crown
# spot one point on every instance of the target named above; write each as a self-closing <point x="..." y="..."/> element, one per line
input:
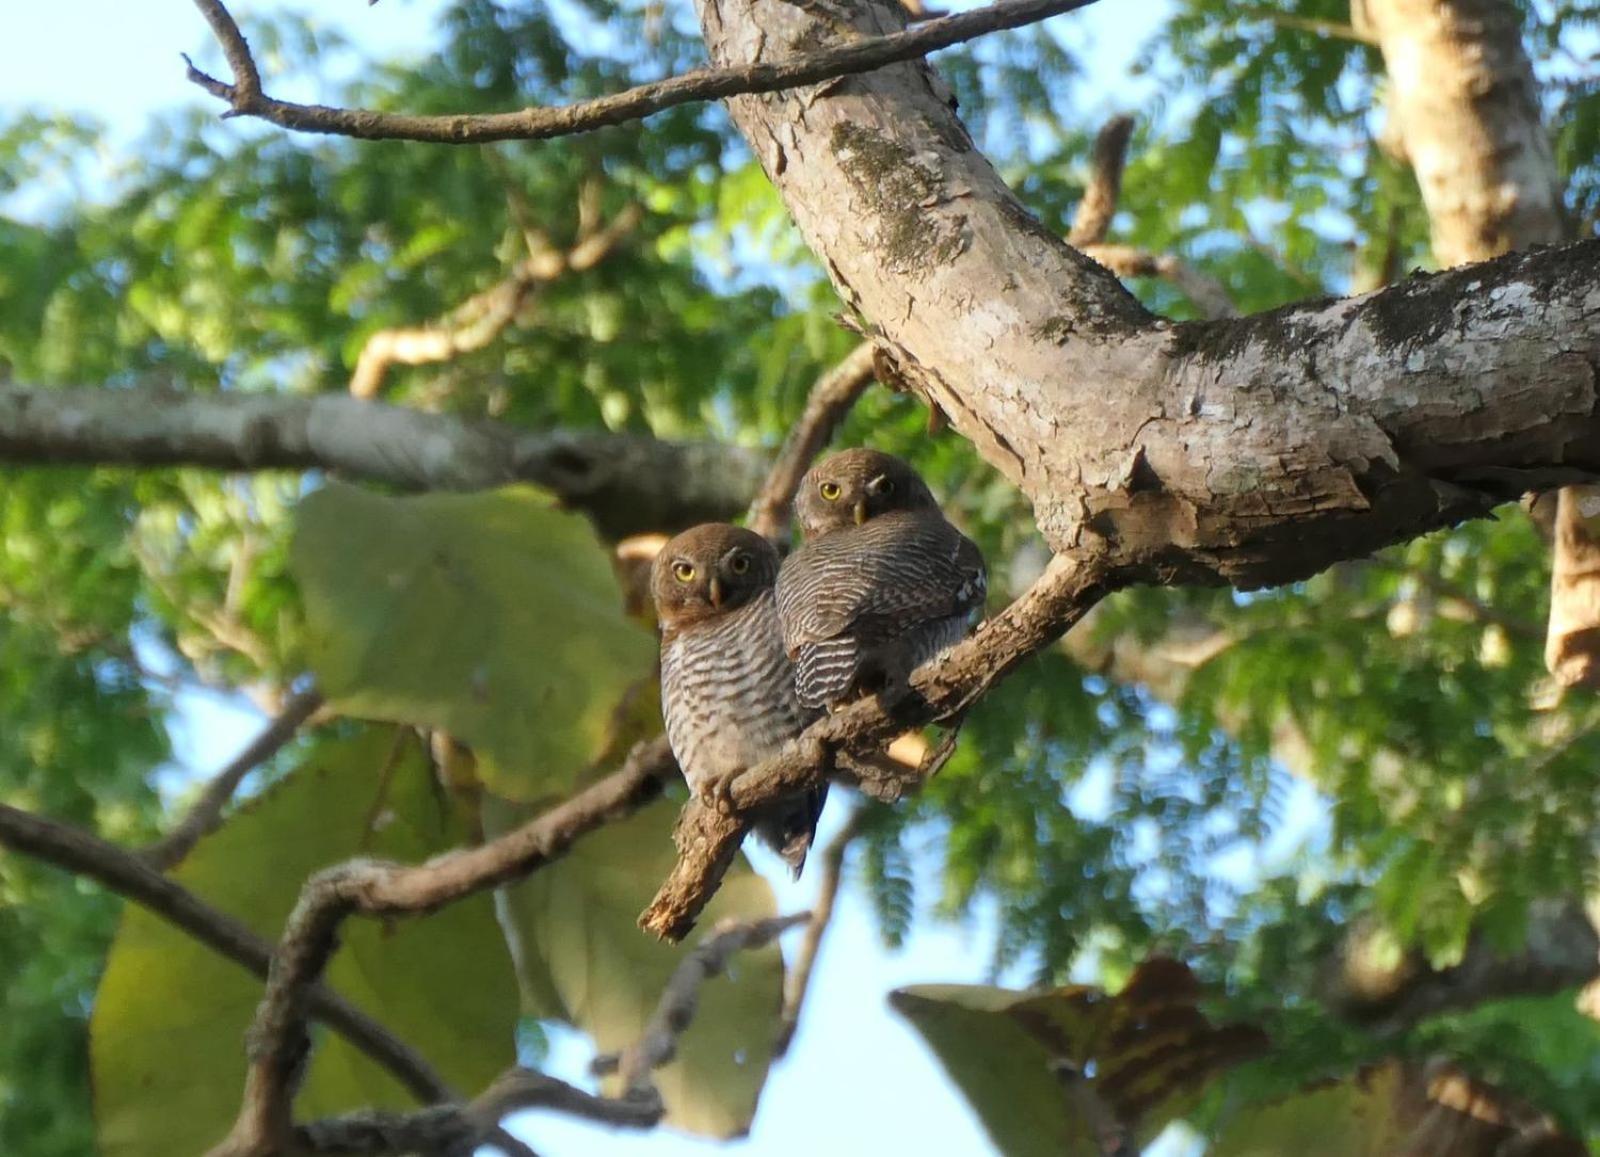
<point x="850" y="487"/>
<point x="708" y="571"/>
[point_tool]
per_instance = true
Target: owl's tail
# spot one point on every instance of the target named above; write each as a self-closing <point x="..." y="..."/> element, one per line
<point x="789" y="827"/>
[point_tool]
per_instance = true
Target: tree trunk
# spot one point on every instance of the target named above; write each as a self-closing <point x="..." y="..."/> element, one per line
<point x="1464" y="107"/>
<point x="1251" y="451"/>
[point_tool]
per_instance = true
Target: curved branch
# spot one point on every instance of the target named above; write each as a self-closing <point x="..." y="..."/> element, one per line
<point x="245" y="98"/>
<point x="279" y="1044"/>
<point x="799" y="981"/>
<point x="626" y="483"/>
<point x="125" y="874"/>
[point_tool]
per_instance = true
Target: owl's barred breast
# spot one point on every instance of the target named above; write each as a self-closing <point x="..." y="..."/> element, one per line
<point x="728" y="692"/>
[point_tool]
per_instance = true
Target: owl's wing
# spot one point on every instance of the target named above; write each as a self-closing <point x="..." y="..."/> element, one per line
<point x="875" y="580"/>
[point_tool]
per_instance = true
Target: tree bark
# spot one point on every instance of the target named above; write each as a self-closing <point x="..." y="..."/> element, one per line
<point x="625" y="483"/>
<point x="1250" y="451"/>
<point x="1464" y="107"/>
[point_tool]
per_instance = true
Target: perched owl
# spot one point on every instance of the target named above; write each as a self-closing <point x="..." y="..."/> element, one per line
<point x="882" y="585"/>
<point x="727" y="688"/>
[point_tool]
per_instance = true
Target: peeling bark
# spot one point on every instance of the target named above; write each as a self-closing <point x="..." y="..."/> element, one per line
<point x="1249" y="451"/>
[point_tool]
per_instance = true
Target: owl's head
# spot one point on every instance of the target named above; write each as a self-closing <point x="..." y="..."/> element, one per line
<point x="848" y="488"/>
<point x="709" y="571"/>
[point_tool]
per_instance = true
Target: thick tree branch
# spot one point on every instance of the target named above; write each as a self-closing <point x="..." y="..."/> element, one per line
<point x="831" y="398"/>
<point x="279" y="1045"/>
<point x="245" y="98"/>
<point x="707" y="839"/>
<point x="625" y="483"/>
<point x="1250" y="451"/>
<point x="205" y="815"/>
<point x="125" y="874"/>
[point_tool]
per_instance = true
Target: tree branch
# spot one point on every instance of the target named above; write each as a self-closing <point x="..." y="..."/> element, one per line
<point x="125" y="874"/>
<point x="799" y="980"/>
<point x="205" y="816"/>
<point x="462" y="1128"/>
<point x="1208" y="294"/>
<point x="245" y="98"/>
<point x="658" y="1043"/>
<point x="626" y="483"/>
<point x="707" y="839"/>
<point x="1249" y="451"/>
<point x="831" y="398"/>
<point x="480" y="319"/>
<point x="279" y="1044"/>
<point x="1092" y="221"/>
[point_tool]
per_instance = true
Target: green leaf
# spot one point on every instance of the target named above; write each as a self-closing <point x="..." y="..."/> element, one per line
<point x="167" y="1035"/>
<point x="1142" y="1056"/>
<point x="494" y="617"/>
<point x="583" y="960"/>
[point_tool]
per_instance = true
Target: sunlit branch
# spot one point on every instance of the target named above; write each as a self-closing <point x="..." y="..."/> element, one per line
<point x="279" y="1044"/>
<point x="246" y="98"/>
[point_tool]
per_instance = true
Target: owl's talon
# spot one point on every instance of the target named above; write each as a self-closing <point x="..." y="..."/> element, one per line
<point x="717" y="794"/>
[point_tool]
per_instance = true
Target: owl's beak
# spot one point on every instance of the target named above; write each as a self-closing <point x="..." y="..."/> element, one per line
<point x="716" y="592"/>
<point x="861" y="511"/>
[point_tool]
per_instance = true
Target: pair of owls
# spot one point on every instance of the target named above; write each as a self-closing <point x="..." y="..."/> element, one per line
<point x="752" y="652"/>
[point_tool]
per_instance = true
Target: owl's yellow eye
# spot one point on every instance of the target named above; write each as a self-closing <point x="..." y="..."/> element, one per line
<point x="830" y="491"/>
<point x="739" y="563"/>
<point x="683" y="571"/>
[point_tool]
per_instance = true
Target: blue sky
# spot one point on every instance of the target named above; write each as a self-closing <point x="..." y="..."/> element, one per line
<point x="858" y="1079"/>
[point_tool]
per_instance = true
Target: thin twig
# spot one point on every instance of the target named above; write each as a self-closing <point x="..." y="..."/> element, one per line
<point x="658" y="1043"/>
<point x="205" y="816"/>
<point x="1111" y="1137"/>
<point x="799" y="980"/>
<point x="245" y="98"/>
<point x="461" y="1128"/>
<point x="1208" y="294"/>
<point x="480" y="319"/>
<point x="279" y="1044"/>
<point x="707" y="838"/>
<point x="831" y="398"/>
<point x="1092" y="221"/>
<point x="126" y="874"/>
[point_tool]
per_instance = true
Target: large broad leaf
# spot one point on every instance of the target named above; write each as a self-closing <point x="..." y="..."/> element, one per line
<point x="167" y="1037"/>
<point x="584" y="961"/>
<point x="494" y="617"/>
<point x="1396" y="1107"/>
<point x="1140" y="1057"/>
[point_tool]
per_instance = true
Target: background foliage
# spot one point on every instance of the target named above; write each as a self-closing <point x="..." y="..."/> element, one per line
<point x="1104" y="815"/>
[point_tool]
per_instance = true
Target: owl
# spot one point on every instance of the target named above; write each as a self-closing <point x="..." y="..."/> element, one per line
<point x="883" y="583"/>
<point x="727" y="687"/>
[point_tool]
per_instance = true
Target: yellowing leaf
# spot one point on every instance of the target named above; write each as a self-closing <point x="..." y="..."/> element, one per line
<point x="1139" y="1057"/>
<point x="494" y="617"/>
<point x="167" y="1036"/>
<point x="1437" y="1110"/>
<point x="583" y="960"/>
